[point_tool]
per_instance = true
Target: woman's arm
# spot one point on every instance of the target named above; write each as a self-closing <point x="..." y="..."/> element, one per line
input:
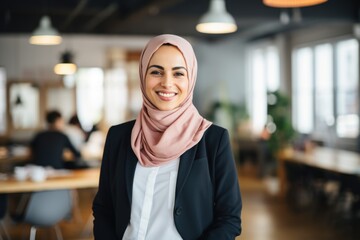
<point x="103" y="210"/>
<point x="227" y="199"/>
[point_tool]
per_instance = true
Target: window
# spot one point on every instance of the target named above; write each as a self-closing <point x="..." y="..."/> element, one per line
<point x="135" y="94"/>
<point x="347" y="124"/>
<point x="61" y="99"/>
<point x="263" y="76"/>
<point x="110" y="96"/>
<point x="303" y="90"/>
<point x="89" y="96"/>
<point x="325" y="89"/>
<point x="272" y="68"/>
<point x="116" y="96"/>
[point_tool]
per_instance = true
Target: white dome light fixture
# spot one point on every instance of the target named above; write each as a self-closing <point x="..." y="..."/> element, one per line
<point x="66" y="66"/>
<point x="217" y="20"/>
<point x="45" y="34"/>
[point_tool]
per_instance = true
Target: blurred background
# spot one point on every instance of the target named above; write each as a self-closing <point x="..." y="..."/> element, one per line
<point x="281" y="76"/>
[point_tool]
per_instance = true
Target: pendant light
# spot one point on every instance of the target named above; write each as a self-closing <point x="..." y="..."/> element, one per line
<point x="45" y="34"/>
<point x="217" y="20"/>
<point x="66" y="66"/>
<point x="292" y="3"/>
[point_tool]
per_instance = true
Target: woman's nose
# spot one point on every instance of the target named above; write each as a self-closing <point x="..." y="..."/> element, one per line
<point x="166" y="80"/>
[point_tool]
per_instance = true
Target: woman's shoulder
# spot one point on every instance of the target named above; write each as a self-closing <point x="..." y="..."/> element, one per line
<point x="120" y="132"/>
<point x="215" y="130"/>
<point x="123" y="126"/>
<point x="216" y="135"/>
<point x="122" y="129"/>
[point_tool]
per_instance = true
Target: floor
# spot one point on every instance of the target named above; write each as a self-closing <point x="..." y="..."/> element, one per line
<point x="265" y="217"/>
<point x="268" y="217"/>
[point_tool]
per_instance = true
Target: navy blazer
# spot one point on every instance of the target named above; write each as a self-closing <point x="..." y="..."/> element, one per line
<point x="207" y="199"/>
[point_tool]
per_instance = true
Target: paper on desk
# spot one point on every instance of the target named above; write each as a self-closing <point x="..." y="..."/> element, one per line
<point x="51" y="172"/>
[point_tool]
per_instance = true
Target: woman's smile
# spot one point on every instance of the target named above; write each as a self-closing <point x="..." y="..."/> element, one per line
<point x="166" y="96"/>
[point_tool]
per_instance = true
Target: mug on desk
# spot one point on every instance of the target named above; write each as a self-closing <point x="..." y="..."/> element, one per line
<point x="37" y="174"/>
<point x="20" y="173"/>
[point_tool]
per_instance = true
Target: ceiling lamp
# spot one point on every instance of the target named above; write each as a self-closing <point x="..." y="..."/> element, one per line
<point x="66" y="66"/>
<point x="292" y="3"/>
<point x="217" y="20"/>
<point x="45" y="34"/>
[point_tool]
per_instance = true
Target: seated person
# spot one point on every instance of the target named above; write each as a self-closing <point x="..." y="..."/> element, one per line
<point x="75" y="132"/>
<point x="48" y="146"/>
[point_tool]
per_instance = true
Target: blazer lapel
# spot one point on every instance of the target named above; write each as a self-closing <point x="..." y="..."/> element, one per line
<point x="186" y="161"/>
<point x="130" y="166"/>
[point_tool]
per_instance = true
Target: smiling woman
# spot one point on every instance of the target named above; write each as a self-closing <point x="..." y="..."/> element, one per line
<point x="170" y="156"/>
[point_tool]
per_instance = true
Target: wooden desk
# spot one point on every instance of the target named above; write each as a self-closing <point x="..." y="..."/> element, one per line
<point x="8" y="161"/>
<point x="255" y="150"/>
<point x="328" y="159"/>
<point x="6" y="158"/>
<point x="84" y="178"/>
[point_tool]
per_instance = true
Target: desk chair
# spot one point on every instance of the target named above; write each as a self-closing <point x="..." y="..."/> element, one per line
<point x="46" y="209"/>
<point x="3" y="207"/>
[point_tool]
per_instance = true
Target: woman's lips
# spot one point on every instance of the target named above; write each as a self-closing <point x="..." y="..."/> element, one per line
<point x="166" y="95"/>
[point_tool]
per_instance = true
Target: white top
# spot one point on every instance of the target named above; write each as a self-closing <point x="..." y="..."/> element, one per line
<point x="76" y="136"/>
<point x="152" y="204"/>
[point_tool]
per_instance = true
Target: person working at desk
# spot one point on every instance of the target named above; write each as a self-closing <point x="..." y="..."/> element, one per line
<point x="47" y="147"/>
<point x="170" y="174"/>
<point x="75" y="132"/>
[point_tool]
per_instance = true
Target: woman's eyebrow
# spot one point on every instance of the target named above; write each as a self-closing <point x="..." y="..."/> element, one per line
<point x="162" y="68"/>
<point x="156" y="66"/>
<point x="177" y="68"/>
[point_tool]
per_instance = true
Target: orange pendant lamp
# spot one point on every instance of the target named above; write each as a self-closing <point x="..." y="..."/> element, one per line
<point x="66" y="66"/>
<point x="292" y="3"/>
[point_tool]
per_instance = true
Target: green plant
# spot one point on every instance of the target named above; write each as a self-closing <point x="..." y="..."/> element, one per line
<point x="279" y="122"/>
<point x="235" y="113"/>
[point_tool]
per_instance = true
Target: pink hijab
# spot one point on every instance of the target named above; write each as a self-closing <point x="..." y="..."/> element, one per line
<point x="161" y="136"/>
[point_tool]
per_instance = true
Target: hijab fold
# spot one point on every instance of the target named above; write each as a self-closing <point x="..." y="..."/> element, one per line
<point x="161" y="136"/>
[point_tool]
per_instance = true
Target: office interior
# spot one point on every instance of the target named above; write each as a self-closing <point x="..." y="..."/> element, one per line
<point x="285" y="84"/>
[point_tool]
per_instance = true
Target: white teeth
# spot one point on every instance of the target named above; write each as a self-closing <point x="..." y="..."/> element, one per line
<point x="166" y="94"/>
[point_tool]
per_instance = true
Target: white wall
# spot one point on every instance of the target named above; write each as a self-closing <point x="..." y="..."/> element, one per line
<point x="220" y="75"/>
<point x="25" y="61"/>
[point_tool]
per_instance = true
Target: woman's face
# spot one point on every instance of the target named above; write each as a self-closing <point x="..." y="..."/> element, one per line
<point x="166" y="79"/>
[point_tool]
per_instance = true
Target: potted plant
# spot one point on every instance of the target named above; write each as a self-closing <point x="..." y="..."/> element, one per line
<point x="279" y="122"/>
<point x="279" y="137"/>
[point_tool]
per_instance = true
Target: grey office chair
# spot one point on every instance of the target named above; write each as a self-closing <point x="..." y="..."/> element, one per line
<point x="3" y="206"/>
<point x="46" y="209"/>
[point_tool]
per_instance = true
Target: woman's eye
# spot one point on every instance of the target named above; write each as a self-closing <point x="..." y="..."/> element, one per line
<point x="179" y="74"/>
<point x="155" y="72"/>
